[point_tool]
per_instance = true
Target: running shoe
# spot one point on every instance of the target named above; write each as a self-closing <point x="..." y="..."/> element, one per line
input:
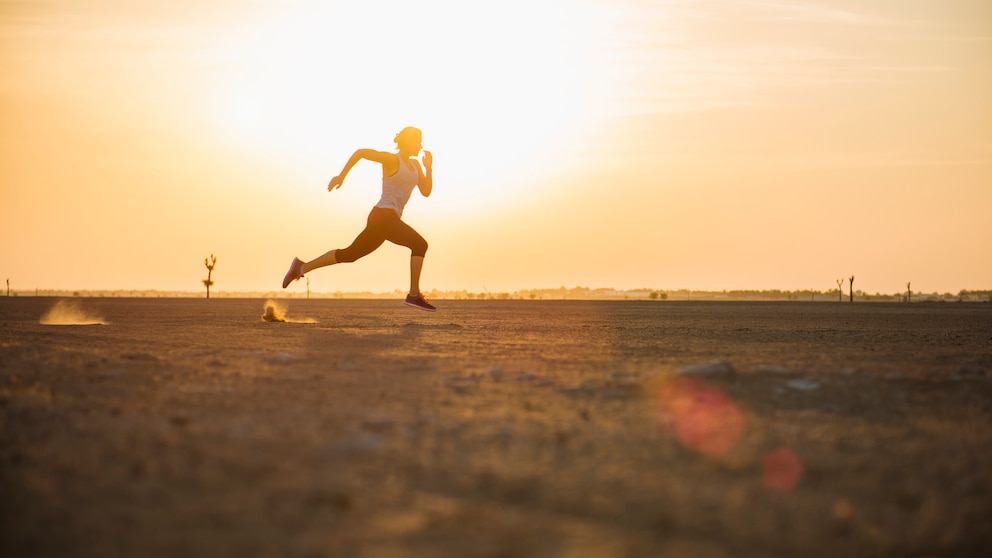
<point x="419" y="301"/>
<point x="294" y="273"/>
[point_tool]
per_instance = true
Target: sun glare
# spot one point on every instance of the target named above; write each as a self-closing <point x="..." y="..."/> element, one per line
<point x="496" y="88"/>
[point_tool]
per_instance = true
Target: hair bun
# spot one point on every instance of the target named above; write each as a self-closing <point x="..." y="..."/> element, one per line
<point x="408" y="133"/>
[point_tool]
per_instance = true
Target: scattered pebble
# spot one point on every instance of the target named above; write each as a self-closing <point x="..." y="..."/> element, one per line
<point x="709" y="370"/>
<point x="364" y="441"/>
<point x="615" y="393"/>
<point x="377" y="422"/>
<point x="281" y="358"/>
<point x="771" y="369"/>
<point x="504" y="434"/>
<point x="461" y="385"/>
<point x="802" y="384"/>
<point x="842" y="510"/>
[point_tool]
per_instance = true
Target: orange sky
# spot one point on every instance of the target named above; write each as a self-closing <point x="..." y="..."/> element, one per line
<point x="706" y="144"/>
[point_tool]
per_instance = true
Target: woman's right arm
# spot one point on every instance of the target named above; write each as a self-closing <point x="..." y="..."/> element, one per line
<point x="370" y="154"/>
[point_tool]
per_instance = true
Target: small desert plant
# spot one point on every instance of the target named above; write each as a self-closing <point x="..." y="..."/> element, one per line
<point x="210" y="263"/>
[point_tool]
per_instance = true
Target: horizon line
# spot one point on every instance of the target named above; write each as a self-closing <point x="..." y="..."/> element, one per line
<point x="559" y="293"/>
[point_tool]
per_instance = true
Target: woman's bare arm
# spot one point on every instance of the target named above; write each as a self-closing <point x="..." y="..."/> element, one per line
<point x="426" y="180"/>
<point x="383" y="158"/>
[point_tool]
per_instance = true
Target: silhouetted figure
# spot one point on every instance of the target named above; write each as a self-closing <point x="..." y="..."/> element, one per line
<point x="210" y="263"/>
<point x="401" y="173"/>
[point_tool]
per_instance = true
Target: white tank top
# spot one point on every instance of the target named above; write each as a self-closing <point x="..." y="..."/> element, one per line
<point x="396" y="188"/>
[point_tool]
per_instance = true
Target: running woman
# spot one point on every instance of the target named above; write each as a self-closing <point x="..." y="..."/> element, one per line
<point x="401" y="172"/>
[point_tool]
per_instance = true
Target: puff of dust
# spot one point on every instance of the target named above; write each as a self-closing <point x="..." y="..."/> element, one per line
<point x="69" y="313"/>
<point x="276" y="312"/>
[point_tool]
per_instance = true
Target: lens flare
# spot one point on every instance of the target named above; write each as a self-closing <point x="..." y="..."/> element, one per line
<point x="782" y="470"/>
<point x="701" y="416"/>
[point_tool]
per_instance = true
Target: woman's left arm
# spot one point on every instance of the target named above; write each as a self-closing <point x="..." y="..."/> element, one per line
<point x="426" y="180"/>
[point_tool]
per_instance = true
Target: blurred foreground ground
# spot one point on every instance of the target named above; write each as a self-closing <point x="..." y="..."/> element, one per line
<point x="495" y="429"/>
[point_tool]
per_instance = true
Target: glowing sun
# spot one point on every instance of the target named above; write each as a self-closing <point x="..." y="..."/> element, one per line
<point x="496" y="87"/>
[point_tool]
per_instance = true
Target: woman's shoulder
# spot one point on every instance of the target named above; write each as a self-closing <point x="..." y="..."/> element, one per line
<point x="377" y="156"/>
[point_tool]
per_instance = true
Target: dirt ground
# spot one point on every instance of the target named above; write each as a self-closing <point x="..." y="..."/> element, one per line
<point x="182" y="427"/>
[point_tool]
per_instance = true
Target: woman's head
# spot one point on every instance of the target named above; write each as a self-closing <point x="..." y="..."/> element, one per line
<point x="409" y="139"/>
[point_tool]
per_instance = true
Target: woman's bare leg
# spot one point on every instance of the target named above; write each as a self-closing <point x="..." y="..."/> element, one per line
<point x="415" y="298"/>
<point x="416" y="266"/>
<point x="330" y="258"/>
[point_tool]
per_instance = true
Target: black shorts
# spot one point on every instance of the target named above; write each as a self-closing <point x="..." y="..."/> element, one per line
<point x="383" y="224"/>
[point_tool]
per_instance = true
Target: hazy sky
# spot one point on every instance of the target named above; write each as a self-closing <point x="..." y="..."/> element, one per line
<point x="736" y="144"/>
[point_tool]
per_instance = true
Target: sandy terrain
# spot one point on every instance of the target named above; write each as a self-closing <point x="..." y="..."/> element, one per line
<point x="495" y="429"/>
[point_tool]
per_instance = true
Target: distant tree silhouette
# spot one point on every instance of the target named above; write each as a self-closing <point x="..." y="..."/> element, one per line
<point x="210" y="263"/>
<point x="8" y="286"/>
<point x="308" y="288"/>
<point x="852" y="289"/>
<point x="909" y="293"/>
<point x="840" y="290"/>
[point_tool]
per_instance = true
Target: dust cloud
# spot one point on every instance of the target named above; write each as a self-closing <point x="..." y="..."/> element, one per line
<point x="276" y="312"/>
<point x="70" y="313"/>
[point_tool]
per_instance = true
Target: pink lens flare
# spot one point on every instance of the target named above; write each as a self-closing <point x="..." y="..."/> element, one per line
<point x="782" y="469"/>
<point x="701" y="416"/>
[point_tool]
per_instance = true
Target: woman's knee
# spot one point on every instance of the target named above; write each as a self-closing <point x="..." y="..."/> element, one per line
<point x="353" y="253"/>
<point x="419" y="248"/>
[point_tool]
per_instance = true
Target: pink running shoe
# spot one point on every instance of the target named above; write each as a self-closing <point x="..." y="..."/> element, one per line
<point x="294" y="273"/>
